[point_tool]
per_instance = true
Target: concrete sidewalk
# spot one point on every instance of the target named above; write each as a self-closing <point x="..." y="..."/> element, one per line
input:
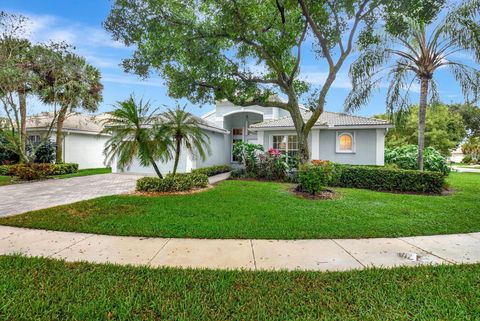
<point x="315" y="255"/>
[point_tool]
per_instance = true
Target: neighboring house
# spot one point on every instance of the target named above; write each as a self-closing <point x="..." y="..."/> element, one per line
<point x="457" y="155"/>
<point x="82" y="142"/>
<point x="336" y="137"/>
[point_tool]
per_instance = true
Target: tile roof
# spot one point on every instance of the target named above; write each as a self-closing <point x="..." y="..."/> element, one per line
<point x="327" y="119"/>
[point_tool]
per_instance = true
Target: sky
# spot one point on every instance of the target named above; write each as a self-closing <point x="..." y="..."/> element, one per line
<point x="79" y="22"/>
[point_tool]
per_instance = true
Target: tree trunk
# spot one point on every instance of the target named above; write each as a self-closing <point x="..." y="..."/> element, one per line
<point x="422" y="110"/>
<point x="59" y="135"/>
<point x="178" y="142"/>
<point x="155" y="167"/>
<point x="22" y="102"/>
<point x="302" y="137"/>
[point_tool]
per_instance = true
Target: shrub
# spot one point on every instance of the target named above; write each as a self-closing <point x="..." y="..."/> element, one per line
<point x="64" y="168"/>
<point x="46" y="152"/>
<point x="212" y="170"/>
<point x="272" y="165"/>
<point x="386" y="179"/>
<point x="31" y="171"/>
<point x="312" y="177"/>
<point x="468" y="160"/>
<point x="172" y="183"/>
<point x="5" y="170"/>
<point x="405" y="157"/>
<point x="246" y="153"/>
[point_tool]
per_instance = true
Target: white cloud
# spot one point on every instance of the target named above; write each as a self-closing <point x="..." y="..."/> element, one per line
<point x="127" y="80"/>
<point x="342" y="80"/>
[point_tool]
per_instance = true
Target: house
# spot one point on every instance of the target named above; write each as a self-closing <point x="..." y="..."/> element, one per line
<point x="337" y="137"/>
<point x="82" y="142"/>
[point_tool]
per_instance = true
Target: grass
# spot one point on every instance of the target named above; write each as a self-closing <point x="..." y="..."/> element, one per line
<point x="85" y="172"/>
<point x="5" y="180"/>
<point x="248" y="209"/>
<point x="34" y="289"/>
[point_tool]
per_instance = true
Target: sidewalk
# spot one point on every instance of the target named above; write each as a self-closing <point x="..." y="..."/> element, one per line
<point x="314" y="255"/>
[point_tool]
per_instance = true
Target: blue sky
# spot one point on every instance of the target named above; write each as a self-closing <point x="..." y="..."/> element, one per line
<point x="79" y="23"/>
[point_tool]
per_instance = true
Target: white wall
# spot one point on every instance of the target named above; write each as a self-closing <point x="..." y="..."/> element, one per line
<point x="220" y="152"/>
<point x="84" y="149"/>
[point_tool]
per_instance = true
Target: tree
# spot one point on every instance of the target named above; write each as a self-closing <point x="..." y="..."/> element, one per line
<point x="245" y="51"/>
<point x="444" y="129"/>
<point x="471" y="117"/>
<point x="131" y="127"/>
<point x="472" y="148"/>
<point x="22" y="73"/>
<point x="186" y="132"/>
<point x="73" y="84"/>
<point x="410" y="55"/>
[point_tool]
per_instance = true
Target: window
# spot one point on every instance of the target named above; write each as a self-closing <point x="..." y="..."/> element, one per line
<point x="345" y="142"/>
<point x="237" y="131"/>
<point x="34" y="139"/>
<point x="286" y="144"/>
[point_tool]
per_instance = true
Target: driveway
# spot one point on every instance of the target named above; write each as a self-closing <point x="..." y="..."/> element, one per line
<point x="20" y="198"/>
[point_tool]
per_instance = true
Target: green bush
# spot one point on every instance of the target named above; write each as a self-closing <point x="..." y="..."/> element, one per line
<point x="5" y="170"/>
<point x="405" y="157"/>
<point x="387" y="179"/>
<point x="64" y="168"/>
<point x="313" y="177"/>
<point x="212" y="170"/>
<point x="172" y="183"/>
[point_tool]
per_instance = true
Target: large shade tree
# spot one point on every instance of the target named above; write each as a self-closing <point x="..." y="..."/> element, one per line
<point x="414" y="54"/>
<point x="134" y="135"/>
<point x="186" y="133"/>
<point x="248" y="51"/>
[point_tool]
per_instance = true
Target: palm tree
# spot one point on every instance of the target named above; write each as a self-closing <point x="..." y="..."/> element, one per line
<point x="185" y="130"/>
<point x="411" y="56"/>
<point x="131" y="127"/>
<point x="74" y="84"/>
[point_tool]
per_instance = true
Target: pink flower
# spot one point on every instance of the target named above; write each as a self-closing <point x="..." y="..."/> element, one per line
<point x="274" y="152"/>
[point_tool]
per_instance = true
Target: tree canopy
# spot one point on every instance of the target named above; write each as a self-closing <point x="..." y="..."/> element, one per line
<point x="248" y="51"/>
<point x="444" y="129"/>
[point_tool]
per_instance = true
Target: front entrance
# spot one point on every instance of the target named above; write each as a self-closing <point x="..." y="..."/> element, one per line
<point x="237" y="136"/>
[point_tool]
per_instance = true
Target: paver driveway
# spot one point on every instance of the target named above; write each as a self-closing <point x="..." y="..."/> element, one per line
<point x="20" y="198"/>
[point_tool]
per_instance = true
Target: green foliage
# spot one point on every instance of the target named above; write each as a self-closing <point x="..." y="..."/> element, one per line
<point x="64" y="168"/>
<point x="134" y="134"/>
<point x="444" y="128"/>
<point x="472" y="149"/>
<point x="35" y="171"/>
<point x="272" y="165"/>
<point x="5" y="170"/>
<point x="186" y="132"/>
<point x="213" y="170"/>
<point x="405" y="157"/>
<point x="247" y="153"/>
<point x="313" y="177"/>
<point x="45" y="152"/>
<point x="172" y="183"/>
<point x="471" y="117"/>
<point x="387" y="179"/>
<point x="6" y="155"/>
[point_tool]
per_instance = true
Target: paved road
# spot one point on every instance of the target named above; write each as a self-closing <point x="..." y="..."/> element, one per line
<point x="20" y="198"/>
<point x="315" y="255"/>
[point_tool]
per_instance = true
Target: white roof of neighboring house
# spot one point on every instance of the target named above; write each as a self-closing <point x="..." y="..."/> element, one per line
<point x="327" y="119"/>
<point x="73" y="121"/>
<point x="80" y="122"/>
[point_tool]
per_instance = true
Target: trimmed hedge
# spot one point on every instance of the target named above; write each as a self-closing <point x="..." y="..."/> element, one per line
<point x="172" y="183"/>
<point x="212" y="170"/>
<point x="387" y="179"/>
<point x="37" y="171"/>
<point x="313" y="177"/>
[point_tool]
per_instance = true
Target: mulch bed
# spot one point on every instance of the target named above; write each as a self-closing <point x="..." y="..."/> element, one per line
<point x="326" y="194"/>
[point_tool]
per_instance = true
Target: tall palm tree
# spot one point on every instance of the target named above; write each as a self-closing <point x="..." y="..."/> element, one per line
<point x="184" y="128"/>
<point x="74" y="84"/>
<point x="132" y="135"/>
<point x="411" y="56"/>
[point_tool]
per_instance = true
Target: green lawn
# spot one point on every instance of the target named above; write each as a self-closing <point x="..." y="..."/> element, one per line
<point x="247" y="209"/>
<point x="42" y="289"/>
<point x="5" y="180"/>
<point x="86" y="172"/>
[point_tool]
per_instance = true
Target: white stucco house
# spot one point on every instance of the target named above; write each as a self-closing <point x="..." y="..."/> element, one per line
<point x="82" y="142"/>
<point x="337" y="137"/>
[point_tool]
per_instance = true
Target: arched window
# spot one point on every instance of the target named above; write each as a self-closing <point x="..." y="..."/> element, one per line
<point x="345" y="143"/>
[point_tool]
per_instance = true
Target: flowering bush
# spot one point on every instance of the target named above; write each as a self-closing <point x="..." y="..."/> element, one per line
<point x="272" y="165"/>
<point x="312" y="177"/>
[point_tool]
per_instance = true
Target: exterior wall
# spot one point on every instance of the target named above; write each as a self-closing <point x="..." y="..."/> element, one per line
<point x="84" y="149"/>
<point x="365" y="141"/>
<point x="220" y="152"/>
<point x="224" y="108"/>
<point x="369" y="145"/>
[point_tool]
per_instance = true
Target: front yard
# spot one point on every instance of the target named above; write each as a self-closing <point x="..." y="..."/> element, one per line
<point x="34" y="288"/>
<point x="248" y="209"/>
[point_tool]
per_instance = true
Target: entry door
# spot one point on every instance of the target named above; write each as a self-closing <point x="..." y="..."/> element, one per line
<point x="237" y="136"/>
